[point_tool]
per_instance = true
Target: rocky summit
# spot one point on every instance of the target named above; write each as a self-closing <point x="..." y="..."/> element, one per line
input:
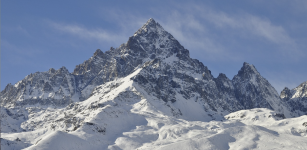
<point x="148" y="94"/>
<point x="296" y="98"/>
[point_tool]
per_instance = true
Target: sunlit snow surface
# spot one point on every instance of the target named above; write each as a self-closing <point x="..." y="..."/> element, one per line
<point x="120" y="115"/>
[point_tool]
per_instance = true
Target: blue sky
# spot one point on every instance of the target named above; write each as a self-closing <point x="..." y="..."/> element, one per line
<point x="38" y="35"/>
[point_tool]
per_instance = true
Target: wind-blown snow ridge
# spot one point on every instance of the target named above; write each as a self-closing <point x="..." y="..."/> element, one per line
<point x="149" y="94"/>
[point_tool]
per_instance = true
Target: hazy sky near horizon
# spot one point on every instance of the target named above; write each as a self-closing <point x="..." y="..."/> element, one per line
<point x="271" y="35"/>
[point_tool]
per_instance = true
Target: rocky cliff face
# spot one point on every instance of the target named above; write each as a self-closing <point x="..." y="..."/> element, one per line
<point x="165" y="72"/>
<point x="54" y="88"/>
<point x="296" y="98"/>
<point x="254" y="91"/>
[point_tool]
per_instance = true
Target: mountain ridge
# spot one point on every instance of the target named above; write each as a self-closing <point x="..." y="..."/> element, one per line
<point x="151" y="43"/>
<point x="296" y="98"/>
<point x="147" y="83"/>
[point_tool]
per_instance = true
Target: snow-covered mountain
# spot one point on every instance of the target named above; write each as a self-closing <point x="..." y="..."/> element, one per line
<point x="296" y="98"/>
<point x="147" y="94"/>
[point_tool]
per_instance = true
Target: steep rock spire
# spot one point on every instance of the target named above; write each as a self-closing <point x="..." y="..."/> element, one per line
<point x="285" y="94"/>
<point x="150" y="26"/>
<point x="62" y="70"/>
<point x="247" y="70"/>
<point x="254" y="91"/>
<point x="296" y="98"/>
<point x="151" y="39"/>
<point x="98" y="52"/>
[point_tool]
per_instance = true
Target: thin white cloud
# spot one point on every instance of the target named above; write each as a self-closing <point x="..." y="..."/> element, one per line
<point x="192" y="34"/>
<point x="97" y="34"/>
<point x="128" y="22"/>
<point x="189" y="26"/>
<point x="250" y="24"/>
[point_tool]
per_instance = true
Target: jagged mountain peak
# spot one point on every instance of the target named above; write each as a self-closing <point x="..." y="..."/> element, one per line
<point x="151" y="40"/>
<point x="286" y="89"/>
<point x="151" y="20"/>
<point x="151" y="33"/>
<point x="51" y="70"/>
<point x="222" y="76"/>
<point x="247" y="71"/>
<point x="150" y="26"/>
<point x="249" y="67"/>
<point x="301" y="90"/>
<point x="7" y="87"/>
<point x="296" y="98"/>
<point x="254" y="91"/>
<point x="63" y="69"/>
<point x="98" y="52"/>
<point x="285" y="94"/>
<point x="304" y="84"/>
